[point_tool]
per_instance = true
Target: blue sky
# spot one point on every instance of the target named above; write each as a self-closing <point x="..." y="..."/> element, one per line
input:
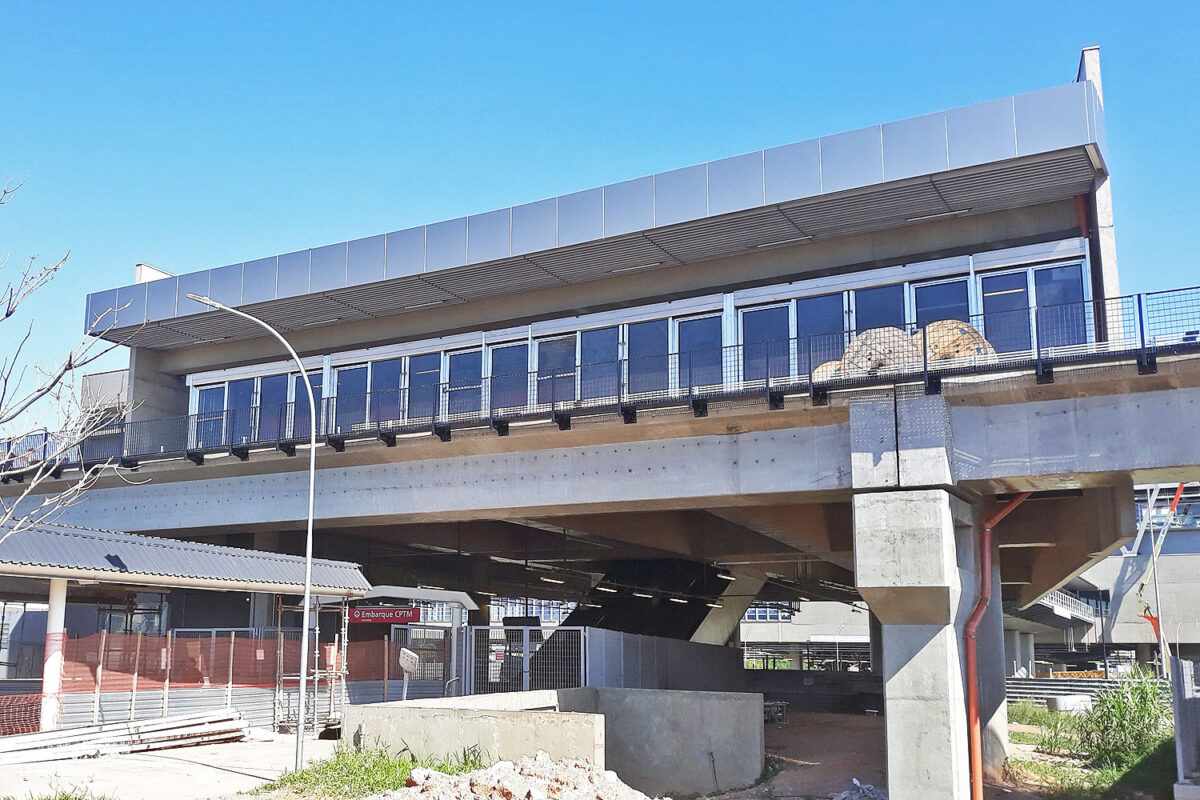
<point x="196" y="135"/>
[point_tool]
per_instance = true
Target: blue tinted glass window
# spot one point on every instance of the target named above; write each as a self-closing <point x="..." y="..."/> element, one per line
<point x="1062" y="315"/>
<point x="350" y="404"/>
<point x="942" y="301"/>
<point x="765" y="345"/>
<point x="464" y="390"/>
<point x="599" y="369"/>
<point x="820" y="330"/>
<point x="272" y="406"/>
<point x="556" y="370"/>
<point x="424" y="385"/>
<point x="300" y="417"/>
<point x="648" y="356"/>
<point x="210" y="416"/>
<point x="1006" y="312"/>
<point x="700" y="352"/>
<point x="510" y="376"/>
<point x="240" y="401"/>
<point x="882" y="306"/>
<point x="385" y="390"/>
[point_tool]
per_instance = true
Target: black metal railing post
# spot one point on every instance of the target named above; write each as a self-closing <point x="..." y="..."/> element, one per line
<point x="1147" y="361"/>
<point x="1043" y="372"/>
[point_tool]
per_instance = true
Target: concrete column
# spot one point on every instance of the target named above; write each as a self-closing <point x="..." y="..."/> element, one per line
<point x="915" y="562"/>
<point x="1027" y="659"/>
<point x="720" y="624"/>
<point x="1104" y="235"/>
<point x="52" y="667"/>
<point x="153" y="393"/>
<point x="1012" y="654"/>
<point x="262" y="605"/>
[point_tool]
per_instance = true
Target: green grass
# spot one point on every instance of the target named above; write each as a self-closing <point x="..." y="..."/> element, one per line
<point x="359" y="773"/>
<point x="1153" y="776"/>
<point x="1027" y="713"/>
<point x="61" y="794"/>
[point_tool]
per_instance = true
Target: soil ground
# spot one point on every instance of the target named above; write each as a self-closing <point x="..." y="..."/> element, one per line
<point x="817" y="755"/>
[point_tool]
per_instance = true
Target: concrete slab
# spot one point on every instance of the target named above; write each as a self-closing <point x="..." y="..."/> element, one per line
<point x="191" y="773"/>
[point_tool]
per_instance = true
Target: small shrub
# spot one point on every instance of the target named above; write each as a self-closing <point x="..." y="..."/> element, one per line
<point x="1059" y="734"/>
<point x="1126" y="723"/>
<point x="361" y="773"/>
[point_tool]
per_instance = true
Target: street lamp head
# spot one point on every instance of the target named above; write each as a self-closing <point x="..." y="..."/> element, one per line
<point x="204" y="299"/>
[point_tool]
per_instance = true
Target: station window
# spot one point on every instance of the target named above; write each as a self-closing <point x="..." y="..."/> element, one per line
<point x="700" y="352"/>
<point x="510" y="376"/>
<point x="424" y="385"/>
<point x="879" y="307"/>
<point x="820" y="330"/>
<point x="385" y="390"/>
<point x="464" y="382"/>
<point x="599" y="363"/>
<point x="556" y="370"/>
<point x="766" y="349"/>
<point x="942" y="300"/>
<point x="648" y="348"/>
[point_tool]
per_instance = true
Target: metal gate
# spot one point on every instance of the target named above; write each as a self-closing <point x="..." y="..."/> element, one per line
<point x="520" y="658"/>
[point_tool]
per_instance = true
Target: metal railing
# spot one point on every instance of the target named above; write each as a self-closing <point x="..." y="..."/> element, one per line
<point x="1058" y="599"/>
<point x="1137" y="328"/>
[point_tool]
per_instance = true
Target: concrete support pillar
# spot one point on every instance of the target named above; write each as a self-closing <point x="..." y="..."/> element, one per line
<point x="1012" y="654"/>
<point x="915" y="562"/>
<point x="52" y="667"/>
<point x="1026" y="655"/>
<point x="153" y="393"/>
<point x="262" y="605"/>
<point x="720" y="624"/>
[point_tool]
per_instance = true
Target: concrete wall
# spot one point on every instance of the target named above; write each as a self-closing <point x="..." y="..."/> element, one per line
<point x="1177" y="585"/>
<point x="660" y="742"/>
<point x="500" y="735"/>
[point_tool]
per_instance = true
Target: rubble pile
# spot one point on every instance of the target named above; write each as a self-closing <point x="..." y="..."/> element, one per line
<point x="532" y="778"/>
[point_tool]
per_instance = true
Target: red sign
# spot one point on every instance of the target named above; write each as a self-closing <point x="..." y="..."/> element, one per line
<point x="395" y="615"/>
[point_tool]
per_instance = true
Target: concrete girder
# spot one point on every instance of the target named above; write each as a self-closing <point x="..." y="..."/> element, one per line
<point x="1086" y="528"/>
<point x="696" y="535"/>
<point x="822" y="530"/>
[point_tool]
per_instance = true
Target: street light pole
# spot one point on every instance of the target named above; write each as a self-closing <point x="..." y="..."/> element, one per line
<point x="312" y="493"/>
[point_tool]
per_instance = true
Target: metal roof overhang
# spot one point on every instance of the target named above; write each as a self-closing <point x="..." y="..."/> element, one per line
<point x="60" y="551"/>
<point x="1010" y="153"/>
<point x="419" y="593"/>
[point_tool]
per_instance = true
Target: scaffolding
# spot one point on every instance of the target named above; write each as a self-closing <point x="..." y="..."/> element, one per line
<point x="328" y="667"/>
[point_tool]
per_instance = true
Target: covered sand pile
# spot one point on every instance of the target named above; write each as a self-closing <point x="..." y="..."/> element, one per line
<point x="532" y="778"/>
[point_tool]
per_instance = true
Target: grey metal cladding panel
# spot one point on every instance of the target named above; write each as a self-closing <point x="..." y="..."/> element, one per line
<point x="161" y="296"/>
<point x="405" y="253"/>
<point x="851" y="159"/>
<point x="364" y="261"/>
<point x="580" y="217"/>
<point x="792" y="171"/>
<point x="488" y="236"/>
<point x="226" y="285"/>
<point x="258" y="280"/>
<point x="1096" y="117"/>
<point x="981" y="133"/>
<point x="446" y="244"/>
<point x="327" y="267"/>
<point x="101" y="310"/>
<point x="131" y="305"/>
<point x="196" y="283"/>
<point x="680" y="195"/>
<point x="292" y="273"/>
<point x="534" y="226"/>
<point x="914" y="146"/>
<point x="735" y="183"/>
<point x="1051" y="119"/>
<point x="628" y="206"/>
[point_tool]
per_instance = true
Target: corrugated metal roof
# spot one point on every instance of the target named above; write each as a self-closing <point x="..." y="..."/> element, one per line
<point x="53" y="550"/>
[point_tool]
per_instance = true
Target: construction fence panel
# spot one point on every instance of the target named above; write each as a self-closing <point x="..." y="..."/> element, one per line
<point x="518" y="658"/>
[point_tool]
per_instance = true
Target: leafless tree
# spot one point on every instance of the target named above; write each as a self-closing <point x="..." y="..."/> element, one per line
<point x="33" y="458"/>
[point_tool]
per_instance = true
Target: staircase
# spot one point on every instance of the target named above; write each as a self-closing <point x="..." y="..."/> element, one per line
<point x="1038" y="690"/>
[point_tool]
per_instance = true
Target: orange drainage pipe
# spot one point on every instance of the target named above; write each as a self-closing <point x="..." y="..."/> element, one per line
<point x="970" y="641"/>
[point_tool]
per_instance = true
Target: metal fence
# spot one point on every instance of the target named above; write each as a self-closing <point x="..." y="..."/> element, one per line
<point x="518" y="658"/>
<point x="809" y="656"/>
<point x="1138" y="328"/>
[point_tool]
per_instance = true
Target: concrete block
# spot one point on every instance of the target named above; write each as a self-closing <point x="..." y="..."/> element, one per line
<point x="1187" y="791"/>
<point x="1070" y="703"/>
<point x="499" y="735"/>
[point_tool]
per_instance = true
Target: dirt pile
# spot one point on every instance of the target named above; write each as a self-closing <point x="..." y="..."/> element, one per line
<point x="532" y="778"/>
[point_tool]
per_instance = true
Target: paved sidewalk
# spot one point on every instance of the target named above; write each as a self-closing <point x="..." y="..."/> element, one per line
<point x="185" y="773"/>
